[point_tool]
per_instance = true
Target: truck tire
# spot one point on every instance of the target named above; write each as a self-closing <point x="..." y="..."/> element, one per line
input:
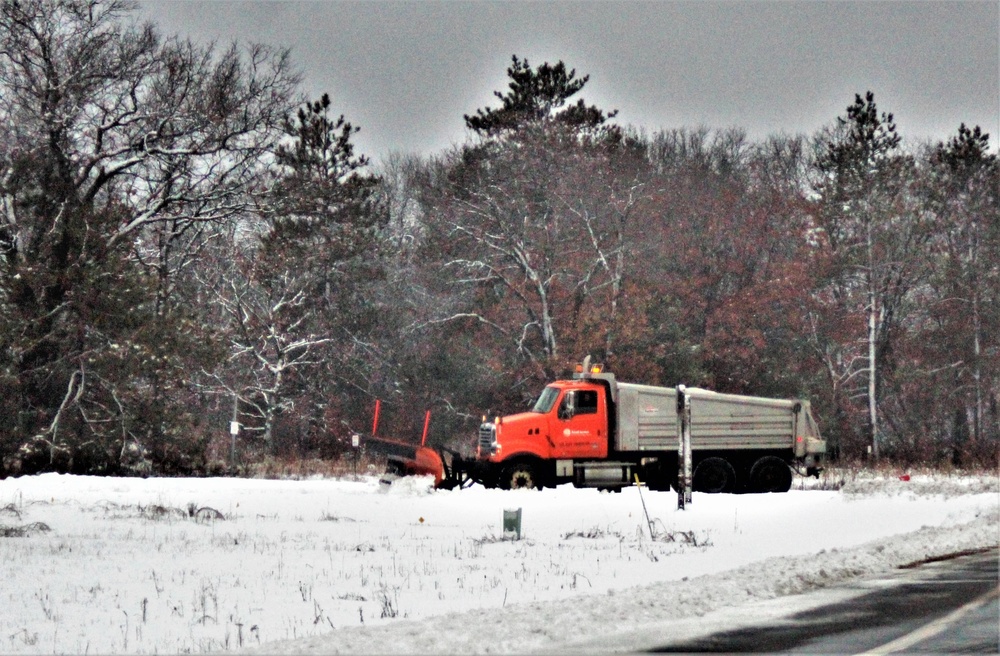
<point x="714" y="475"/>
<point x="520" y="475"/>
<point x="770" y="474"/>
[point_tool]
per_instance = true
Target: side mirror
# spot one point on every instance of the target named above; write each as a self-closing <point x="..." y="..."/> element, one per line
<point x="567" y="409"/>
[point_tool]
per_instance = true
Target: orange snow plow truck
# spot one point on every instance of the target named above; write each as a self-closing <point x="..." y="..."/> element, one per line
<point x="594" y="431"/>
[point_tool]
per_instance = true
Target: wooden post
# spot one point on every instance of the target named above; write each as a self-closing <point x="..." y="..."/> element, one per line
<point x="649" y="522"/>
<point x="683" y="448"/>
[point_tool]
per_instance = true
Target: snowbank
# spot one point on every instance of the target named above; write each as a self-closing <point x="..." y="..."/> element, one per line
<point x="538" y="627"/>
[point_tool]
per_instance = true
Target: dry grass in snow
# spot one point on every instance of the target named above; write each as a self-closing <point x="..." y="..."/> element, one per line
<point x="97" y="565"/>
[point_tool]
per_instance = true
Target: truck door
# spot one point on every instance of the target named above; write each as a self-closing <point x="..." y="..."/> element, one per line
<point x="580" y="429"/>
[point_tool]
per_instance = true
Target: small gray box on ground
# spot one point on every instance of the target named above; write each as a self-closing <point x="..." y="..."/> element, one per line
<point x="512" y="524"/>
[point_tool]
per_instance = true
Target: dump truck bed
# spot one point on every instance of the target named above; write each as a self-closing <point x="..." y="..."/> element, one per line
<point x="647" y="420"/>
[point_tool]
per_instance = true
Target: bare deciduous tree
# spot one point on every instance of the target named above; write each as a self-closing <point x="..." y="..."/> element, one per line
<point x="117" y="145"/>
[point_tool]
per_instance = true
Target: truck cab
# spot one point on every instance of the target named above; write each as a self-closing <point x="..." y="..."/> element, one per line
<point x="572" y="421"/>
<point x="569" y="420"/>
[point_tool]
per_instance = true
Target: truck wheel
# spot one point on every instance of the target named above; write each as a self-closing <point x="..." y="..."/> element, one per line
<point x="520" y="475"/>
<point x="658" y="477"/>
<point x="770" y="474"/>
<point x="714" y="475"/>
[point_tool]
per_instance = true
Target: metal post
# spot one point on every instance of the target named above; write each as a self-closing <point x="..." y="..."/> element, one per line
<point x="378" y="406"/>
<point x="683" y="448"/>
<point x="427" y="423"/>
<point x="234" y="430"/>
<point x="356" y="444"/>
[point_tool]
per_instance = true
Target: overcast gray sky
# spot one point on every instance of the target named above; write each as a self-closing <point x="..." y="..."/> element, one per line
<point x="406" y="72"/>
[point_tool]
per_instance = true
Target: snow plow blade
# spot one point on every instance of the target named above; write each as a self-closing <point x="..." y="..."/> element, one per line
<point x="406" y="459"/>
<point x="403" y="459"/>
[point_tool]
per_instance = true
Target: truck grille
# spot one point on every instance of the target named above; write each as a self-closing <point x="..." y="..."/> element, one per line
<point x="486" y="438"/>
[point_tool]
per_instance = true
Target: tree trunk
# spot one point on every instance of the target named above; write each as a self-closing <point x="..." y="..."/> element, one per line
<point x="872" y="335"/>
<point x="977" y="373"/>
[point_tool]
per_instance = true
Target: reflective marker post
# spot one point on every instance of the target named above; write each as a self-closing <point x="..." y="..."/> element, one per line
<point x="234" y="430"/>
<point x="683" y="448"/>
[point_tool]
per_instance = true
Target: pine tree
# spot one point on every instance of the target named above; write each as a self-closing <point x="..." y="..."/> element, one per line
<point x="531" y="221"/>
<point x="299" y="291"/>
<point x="963" y="194"/>
<point x="539" y="96"/>
<point x="873" y="239"/>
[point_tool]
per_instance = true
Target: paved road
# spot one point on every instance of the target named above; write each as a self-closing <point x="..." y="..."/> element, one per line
<point x="943" y="607"/>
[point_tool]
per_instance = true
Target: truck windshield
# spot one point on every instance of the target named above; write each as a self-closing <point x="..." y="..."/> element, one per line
<point x="546" y="400"/>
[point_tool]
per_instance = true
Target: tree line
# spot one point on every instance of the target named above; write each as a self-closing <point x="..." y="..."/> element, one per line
<point x="186" y="241"/>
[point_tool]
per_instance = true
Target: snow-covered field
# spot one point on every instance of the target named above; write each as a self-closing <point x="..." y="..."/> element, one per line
<point x="102" y="565"/>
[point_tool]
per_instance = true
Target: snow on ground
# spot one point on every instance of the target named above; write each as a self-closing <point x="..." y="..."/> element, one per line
<point x="103" y="565"/>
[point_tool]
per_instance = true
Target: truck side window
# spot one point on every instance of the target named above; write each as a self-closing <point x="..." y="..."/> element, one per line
<point x="586" y="402"/>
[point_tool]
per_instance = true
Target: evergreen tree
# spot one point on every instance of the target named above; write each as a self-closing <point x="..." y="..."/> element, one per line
<point x="963" y="195"/>
<point x="300" y="293"/>
<point x="539" y="96"/>
<point x="865" y="209"/>
<point x="531" y="222"/>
